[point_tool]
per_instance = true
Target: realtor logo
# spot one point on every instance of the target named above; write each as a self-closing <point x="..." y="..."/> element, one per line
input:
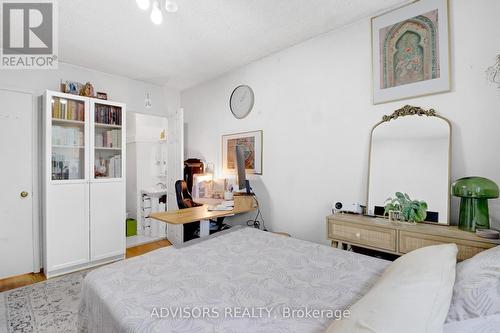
<point x="29" y="39"/>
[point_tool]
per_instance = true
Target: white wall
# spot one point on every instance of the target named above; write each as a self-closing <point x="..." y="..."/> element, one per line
<point x="118" y="88"/>
<point x="313" y="102"/>
<point x="143" y="152"/>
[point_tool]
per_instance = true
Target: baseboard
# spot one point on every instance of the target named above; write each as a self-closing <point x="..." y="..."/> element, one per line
<point x="62" y="271"/>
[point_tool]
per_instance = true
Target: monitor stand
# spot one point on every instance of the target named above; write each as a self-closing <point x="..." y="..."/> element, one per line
<point x="245" y="191"/>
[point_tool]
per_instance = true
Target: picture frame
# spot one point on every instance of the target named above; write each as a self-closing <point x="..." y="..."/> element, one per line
<point x="411" y="51"/>
<point x="253" y="152"/>
<point x="102" y="95"/>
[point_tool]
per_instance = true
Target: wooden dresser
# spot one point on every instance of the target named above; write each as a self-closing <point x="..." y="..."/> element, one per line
<point x="389" y="237"/>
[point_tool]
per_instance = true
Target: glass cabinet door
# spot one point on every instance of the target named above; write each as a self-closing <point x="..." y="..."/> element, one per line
<point x="68" y="139"/>
<point x="107" y="141"/>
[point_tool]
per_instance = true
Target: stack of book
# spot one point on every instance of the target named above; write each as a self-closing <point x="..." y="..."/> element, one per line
<point x="65" y="167"/>
<point x="112" y="165"/>
<point x="67" y="136"/>
<point x="110" y="139"/>
<point x="68" y="109"/>
<point x="107" y="114"/>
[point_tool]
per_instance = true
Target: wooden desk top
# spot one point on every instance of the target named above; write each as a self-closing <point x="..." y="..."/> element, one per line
<point x="242" y="204"/>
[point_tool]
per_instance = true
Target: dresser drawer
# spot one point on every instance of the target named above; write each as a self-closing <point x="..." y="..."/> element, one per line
<point x="380" y="238"/>
<point x="409" y="241"/>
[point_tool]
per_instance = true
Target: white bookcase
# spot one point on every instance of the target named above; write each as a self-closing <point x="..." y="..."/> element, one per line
<point x="84" y="182"/>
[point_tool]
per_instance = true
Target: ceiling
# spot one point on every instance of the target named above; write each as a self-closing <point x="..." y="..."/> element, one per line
<point x="203" y="40"/>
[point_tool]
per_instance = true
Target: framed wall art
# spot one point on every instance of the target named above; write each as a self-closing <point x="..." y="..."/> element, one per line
<point x="252" y="143"/>
<point x="410" y="51"/>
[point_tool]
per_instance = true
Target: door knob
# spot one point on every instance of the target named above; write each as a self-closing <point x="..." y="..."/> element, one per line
<point x="24" y="194"/>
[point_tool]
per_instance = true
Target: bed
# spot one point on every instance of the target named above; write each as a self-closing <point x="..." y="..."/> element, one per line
<point x="233" y="275"/>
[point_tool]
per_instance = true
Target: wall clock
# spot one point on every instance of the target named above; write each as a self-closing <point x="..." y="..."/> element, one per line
<point x="241" y="101"/>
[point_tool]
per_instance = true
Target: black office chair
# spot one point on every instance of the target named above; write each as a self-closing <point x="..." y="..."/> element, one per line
<point x="185" y="200"/>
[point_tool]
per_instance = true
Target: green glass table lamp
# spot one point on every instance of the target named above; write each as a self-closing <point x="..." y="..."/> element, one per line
<point x="474" y="193"/>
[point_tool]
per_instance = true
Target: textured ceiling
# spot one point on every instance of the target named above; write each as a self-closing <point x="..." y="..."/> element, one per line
<point x="204" y="39"/>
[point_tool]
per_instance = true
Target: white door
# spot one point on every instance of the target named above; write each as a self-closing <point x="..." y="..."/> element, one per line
<point x="16" y="179"/>
<point x="175" y="155"/>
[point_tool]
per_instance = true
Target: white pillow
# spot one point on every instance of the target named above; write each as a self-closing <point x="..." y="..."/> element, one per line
<point x="412" y="296"/>
<point x="477" y="287"/>
<point x="488" y="324"/>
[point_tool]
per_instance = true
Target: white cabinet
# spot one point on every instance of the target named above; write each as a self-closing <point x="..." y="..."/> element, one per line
<point x="84" y="182"/>
<point x="107" y="220"/>
<point x="67" y="219"/>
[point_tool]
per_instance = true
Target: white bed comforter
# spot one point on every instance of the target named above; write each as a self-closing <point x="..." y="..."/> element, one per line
<point x="250" y="280"/>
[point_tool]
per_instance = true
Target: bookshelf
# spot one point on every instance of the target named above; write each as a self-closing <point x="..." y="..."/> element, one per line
<point x="68" y="138"/>
<point x="108" y="141"/>
<point x="84" y="182"/>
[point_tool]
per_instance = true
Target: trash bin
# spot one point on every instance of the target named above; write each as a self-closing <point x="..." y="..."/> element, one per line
<point x="131" y="227"/>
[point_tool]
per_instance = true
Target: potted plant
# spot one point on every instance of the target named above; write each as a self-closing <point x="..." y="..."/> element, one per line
<point x="403" y="208"/>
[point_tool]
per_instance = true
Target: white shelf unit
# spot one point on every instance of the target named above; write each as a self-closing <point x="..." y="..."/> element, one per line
<point x="151" y="203"/>
<point x="84" y="186"/>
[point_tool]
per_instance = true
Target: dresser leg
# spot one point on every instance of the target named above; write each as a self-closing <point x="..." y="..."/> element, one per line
<point x="335" y="244"/>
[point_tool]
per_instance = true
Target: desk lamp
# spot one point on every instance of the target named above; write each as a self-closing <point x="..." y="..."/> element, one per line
<point x="474" y="193"/>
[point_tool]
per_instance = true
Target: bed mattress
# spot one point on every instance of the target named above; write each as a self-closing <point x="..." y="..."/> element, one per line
<point x="245" y="280"/>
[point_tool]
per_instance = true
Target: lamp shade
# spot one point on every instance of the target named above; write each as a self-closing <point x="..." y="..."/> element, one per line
<point x="475" y="187"/>
<point x="474" y="193"/>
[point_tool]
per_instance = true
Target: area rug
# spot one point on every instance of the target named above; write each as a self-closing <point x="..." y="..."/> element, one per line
<point x="45" y="307"/>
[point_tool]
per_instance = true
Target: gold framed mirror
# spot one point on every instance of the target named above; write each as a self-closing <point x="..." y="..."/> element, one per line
<point x="410" y="152"/>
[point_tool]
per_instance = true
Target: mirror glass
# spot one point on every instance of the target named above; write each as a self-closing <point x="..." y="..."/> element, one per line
<point x="411" y="154"/>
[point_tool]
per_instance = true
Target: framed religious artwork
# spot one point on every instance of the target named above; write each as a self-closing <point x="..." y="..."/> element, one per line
<point x="252" y="147"/>
<point x="410" y="51"/>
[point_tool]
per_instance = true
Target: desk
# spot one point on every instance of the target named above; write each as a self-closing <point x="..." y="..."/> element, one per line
<point x="177" y="218"/>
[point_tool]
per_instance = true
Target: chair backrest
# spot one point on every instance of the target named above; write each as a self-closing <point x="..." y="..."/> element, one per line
<point x="184" y="198"/>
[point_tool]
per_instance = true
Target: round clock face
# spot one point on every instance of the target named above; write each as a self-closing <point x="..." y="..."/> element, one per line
<point x="241" y="101"/>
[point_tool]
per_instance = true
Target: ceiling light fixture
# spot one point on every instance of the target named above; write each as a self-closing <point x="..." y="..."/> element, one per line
<point x="156" y="15"/>
<point x="143" y="4"/>
<point x="156" y="9"/>
<point x="171" y="6"/>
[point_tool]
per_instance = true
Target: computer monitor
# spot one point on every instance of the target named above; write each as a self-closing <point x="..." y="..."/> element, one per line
<point x="243" y="183"/>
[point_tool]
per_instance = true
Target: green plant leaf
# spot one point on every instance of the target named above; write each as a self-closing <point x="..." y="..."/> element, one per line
<point x="400" y="196"/>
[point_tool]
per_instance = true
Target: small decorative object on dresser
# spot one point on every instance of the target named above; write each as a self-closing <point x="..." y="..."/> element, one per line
<point x="474" y="193"/>
<point x="406" y="209"/>
<point x="488" y="233"/>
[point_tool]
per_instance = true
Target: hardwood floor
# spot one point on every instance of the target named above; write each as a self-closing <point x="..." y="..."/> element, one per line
<point x="27" y="279"/>
<point x="141" y="249"/>
<point x="20" y="281"/>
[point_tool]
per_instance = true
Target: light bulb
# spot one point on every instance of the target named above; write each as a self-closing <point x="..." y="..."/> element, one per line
<point x="171" y="6"/>
<point x="156" y="15"/>
<point x="143" y="4"/>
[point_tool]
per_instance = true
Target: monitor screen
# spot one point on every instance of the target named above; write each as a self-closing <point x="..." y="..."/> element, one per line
<point x="240" y="167"/>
